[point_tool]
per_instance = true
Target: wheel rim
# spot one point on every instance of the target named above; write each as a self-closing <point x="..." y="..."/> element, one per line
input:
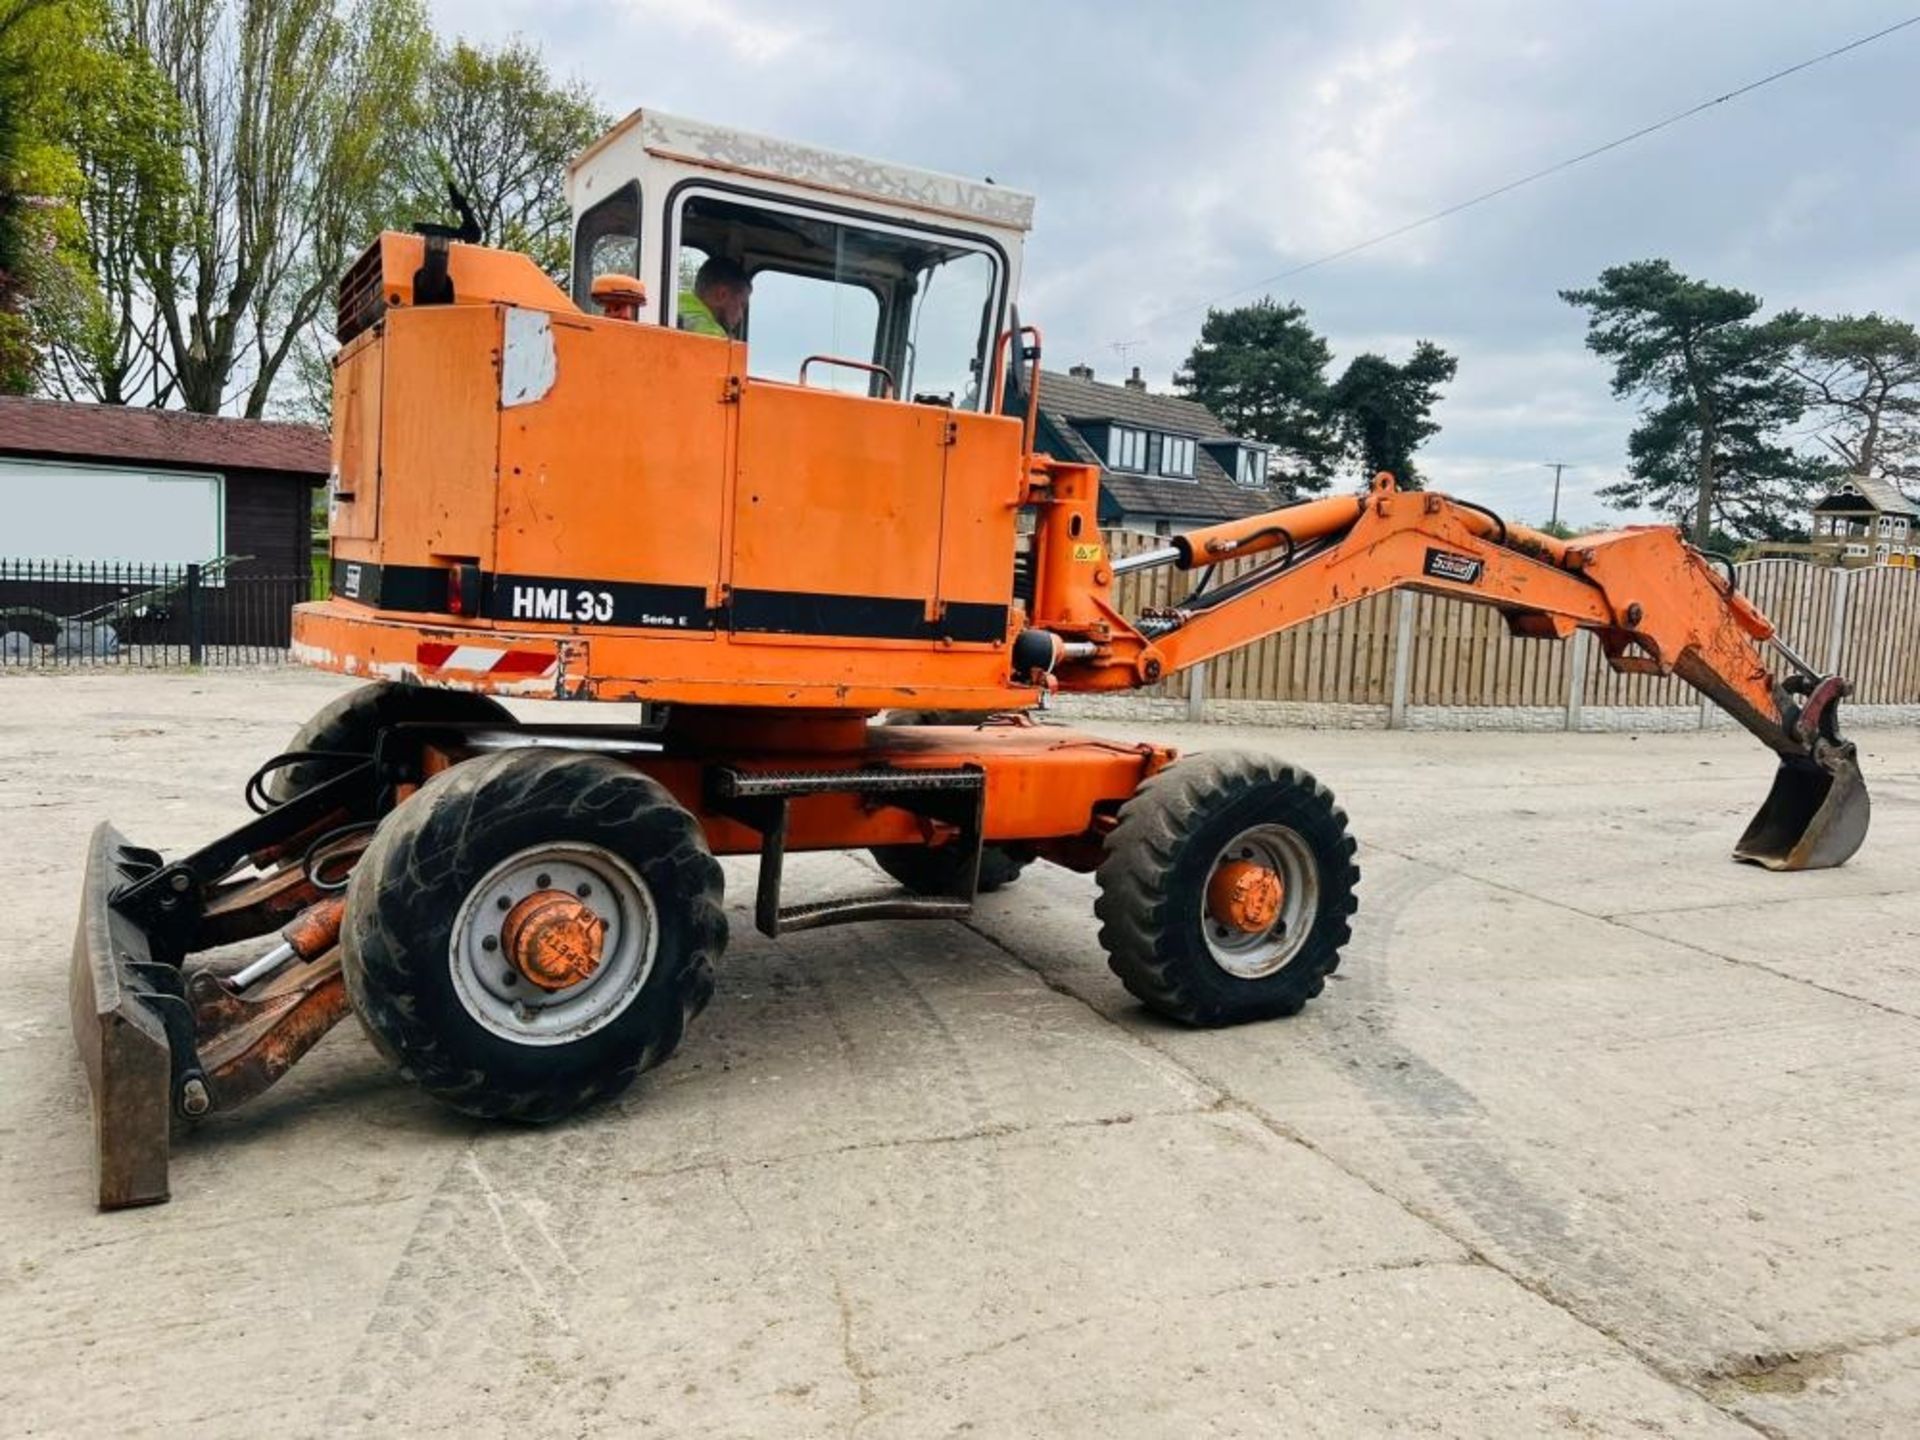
<point x="553" y="943"/>
<point x="1261" y="896"/>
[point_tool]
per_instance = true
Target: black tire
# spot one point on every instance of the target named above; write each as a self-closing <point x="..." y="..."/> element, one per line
<point x="934" y="870"/>
<point x="1154" y="881"/>
<point x="930" y="870"/>
<point x="939" y="717"/>
<point x="350" y="724"/>
<point x="407" y="893"/>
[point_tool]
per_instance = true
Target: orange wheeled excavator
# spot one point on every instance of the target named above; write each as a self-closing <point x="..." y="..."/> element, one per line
<point x="572" y="497"/>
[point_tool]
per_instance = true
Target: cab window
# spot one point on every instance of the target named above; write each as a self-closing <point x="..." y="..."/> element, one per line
<point x="920" y="305"/>
<point x="793" y="316"/>
<point x="606" y="242"/>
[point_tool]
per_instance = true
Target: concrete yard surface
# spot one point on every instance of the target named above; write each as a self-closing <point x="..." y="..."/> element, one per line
<point x="1595" y="1132"/>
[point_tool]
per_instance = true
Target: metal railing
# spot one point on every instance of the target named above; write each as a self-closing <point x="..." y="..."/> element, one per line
<point x="60" y="614"/>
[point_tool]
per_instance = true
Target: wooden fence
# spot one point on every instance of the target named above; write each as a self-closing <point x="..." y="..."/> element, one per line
<point x="1407" y="651"/>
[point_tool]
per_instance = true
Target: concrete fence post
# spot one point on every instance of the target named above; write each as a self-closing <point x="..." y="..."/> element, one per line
<point x="1577" y="676"/>
<point x="1837" y="621"/>
<point x="1403" y="603"/>
<point x="1197" y="692"/>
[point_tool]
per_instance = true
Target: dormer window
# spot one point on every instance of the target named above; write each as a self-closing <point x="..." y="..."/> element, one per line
<point x="1126" y="448"/>
<point x="1176" y="456"/>
<point x="1246" y="463"/>
<point x="1149" y="452"/>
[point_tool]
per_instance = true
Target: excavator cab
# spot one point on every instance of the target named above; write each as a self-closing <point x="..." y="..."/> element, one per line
<point x="870" y="279"/>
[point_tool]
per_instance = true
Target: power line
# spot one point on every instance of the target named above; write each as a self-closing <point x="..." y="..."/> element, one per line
<point x="1541" y="174"/>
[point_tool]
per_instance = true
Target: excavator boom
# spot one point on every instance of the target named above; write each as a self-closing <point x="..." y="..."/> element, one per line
<point x="1657" y="605"/>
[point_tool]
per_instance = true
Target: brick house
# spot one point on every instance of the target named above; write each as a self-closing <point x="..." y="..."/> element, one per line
<point x="118" y="484"/>
<point x="99" y="503"/>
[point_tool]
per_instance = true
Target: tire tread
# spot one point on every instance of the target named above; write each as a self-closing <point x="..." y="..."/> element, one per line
<point x="429" y="840"/>
<point x="1140" y="928"/>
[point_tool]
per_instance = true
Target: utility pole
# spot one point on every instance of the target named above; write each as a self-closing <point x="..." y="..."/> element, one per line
<point x="1556" y="466"/>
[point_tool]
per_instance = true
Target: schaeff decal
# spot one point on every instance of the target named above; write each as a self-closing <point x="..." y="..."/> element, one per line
<point x="1447" y="565"/>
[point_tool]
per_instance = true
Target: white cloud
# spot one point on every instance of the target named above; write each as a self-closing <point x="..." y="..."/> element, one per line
<point x="757" y="40"/>
<point x="1366" y="111"/>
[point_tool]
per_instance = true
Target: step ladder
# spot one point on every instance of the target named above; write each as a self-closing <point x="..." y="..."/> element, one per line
<point x="759" y="799"/>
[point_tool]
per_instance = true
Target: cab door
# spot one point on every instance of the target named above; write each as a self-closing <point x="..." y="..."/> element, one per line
<point x="838" y="509"/>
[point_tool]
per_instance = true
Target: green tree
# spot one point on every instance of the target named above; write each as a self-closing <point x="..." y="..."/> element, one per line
<point x="41" y="284"/>
<point x="1861" y="375"/>
<point x="499" y="127"/>
<point x="1384" y="411"/>
<point x="278" y="119"/>
<point x="1262" y="370"/>
<point x="124" y="131"/>
<point x="289" y="158"/>
<point x="1715" y="391"/>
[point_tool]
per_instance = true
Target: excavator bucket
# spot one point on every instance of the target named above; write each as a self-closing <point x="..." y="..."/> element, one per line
<point x="1815" y="816"/>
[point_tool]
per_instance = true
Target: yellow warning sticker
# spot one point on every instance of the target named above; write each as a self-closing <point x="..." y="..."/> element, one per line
<point x="1086" y="552"/>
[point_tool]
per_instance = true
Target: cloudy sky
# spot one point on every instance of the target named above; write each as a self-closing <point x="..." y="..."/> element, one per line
<point x="1184" y="152"/>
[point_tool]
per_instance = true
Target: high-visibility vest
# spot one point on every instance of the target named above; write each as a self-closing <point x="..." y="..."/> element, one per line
<point x="695" y="316"/>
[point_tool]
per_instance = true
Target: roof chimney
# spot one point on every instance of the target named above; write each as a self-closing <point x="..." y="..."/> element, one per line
<point x="1082" y="371"/>
<point x="1134" y="382"/>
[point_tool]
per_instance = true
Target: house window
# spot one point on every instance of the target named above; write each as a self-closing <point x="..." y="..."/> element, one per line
<point x="1149" y="452"/>
<point x="1253" y="469"/>
<point x="1126" y="448"/>
<point x="1176" y="456"/>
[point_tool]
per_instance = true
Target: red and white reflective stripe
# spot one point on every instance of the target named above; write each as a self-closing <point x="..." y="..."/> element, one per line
<point x="486" y="660"/>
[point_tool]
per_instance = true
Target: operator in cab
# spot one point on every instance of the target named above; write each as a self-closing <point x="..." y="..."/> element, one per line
<point x="717" y="303"/>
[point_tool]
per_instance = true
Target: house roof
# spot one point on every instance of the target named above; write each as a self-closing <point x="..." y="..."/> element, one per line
<point x="168" y="438"/>
<point x="1067" y="401"/>
<point x="1883" y="495"/>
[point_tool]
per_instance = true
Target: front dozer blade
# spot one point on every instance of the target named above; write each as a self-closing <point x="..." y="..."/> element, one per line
<point x="120" y="1029"/>
<point x="1815" y="816"/>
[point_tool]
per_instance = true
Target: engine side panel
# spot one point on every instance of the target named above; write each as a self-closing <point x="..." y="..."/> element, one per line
<point x="622" y="514"/>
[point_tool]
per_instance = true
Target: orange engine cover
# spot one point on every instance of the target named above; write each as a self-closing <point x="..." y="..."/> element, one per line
<point x="546" y="503"/>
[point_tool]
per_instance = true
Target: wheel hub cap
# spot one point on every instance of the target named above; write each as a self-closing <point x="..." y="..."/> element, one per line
<point x="553" y="939"/>
<point x="1246" y="896"/>
<point x="1262" y="894"/>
